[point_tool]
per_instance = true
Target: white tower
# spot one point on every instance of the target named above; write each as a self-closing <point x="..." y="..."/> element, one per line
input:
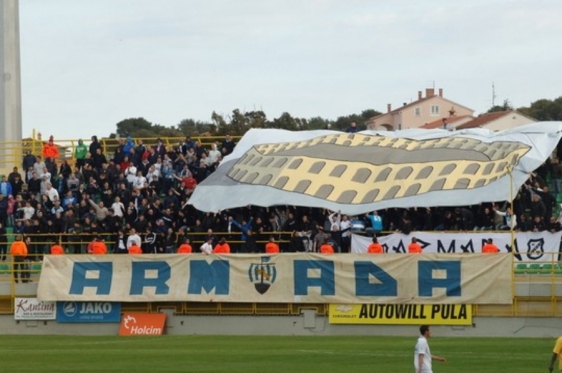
<point x="10" y="94"/>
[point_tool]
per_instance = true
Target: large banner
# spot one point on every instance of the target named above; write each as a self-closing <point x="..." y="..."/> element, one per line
<point x="371" y="170"/>
<point x="401" y="314"/>
<point x="528" y="246"/>
<point x="290" y="278"/>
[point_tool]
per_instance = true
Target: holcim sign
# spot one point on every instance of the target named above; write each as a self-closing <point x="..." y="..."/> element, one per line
<point x="142" y="324"/>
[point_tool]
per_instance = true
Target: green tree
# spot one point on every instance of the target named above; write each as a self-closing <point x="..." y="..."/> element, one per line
<point x="286" y="122"/>
<point x="318" y="123"/>
<point x="190" y="127"/>
<point x="343" y="122"/>
<point x="506" y="106"/>
<point x="544" y="110"/>
<point x="219" y="123"/>
<point x="257" y="119"/>
<point x="131" y="126"/>
<point x="369" y="113"/>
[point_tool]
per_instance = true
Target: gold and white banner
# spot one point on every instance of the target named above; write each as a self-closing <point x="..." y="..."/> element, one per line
<point x="290" y="278"/>
<point x="374" y="170"/>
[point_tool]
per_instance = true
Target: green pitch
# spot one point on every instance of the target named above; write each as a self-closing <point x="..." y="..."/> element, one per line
<point x="267" y="354"/>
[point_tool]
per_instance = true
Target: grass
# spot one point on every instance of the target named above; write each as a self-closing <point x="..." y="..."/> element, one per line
<point x="267" y="354"/>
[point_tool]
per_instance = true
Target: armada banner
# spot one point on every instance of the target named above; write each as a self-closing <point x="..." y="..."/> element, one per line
<point x="371" y="170"/>
<point x="283" y="278"/>
<point x="527" y="246"/>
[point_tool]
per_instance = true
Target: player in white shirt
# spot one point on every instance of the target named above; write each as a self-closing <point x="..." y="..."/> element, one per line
<point x="207" y="247"/>
<point x="422" y="354"/>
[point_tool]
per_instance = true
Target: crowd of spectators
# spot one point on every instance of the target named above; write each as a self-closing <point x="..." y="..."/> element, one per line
<point x="142" y="191"/>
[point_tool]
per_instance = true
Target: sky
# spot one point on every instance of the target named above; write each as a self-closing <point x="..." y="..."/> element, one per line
<point x="88" y="64"/>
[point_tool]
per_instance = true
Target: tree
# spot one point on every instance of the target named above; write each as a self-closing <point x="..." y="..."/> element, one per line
<point x="544" y="110"/>
<point x="343" y="122"/>
<point x="286" y="122"/>
<point x="318" y="123"/>
<point x="219" y="123"/>
<point x="129" y="127"/>
<point x="190" y="127"/>
<point x="369" y="113"/>
<point x="257" y="119"/>
<point x="506" y="106"/>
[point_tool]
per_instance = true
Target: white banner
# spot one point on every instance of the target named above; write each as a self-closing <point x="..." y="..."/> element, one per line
<point x="285" y="278"/>
<point x="34" y="309"/>
<point x="373" y="170"/>
<point x="529" y="246"/>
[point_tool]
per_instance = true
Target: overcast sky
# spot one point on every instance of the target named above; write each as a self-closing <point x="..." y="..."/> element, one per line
<point x="87" y="64"/>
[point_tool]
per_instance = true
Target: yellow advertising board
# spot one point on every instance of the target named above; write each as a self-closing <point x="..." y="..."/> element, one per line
<point x="401" y="314"/>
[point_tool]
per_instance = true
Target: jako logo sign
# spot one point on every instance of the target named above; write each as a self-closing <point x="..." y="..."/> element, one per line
<point x="79" y="312"/>
<point x="142" y="324"/>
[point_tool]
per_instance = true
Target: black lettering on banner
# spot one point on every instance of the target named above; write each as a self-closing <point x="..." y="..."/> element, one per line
<point x="449" y="311"/>
<point x="462" y="312"/>
<point x="441" y="247"/>
<point x="468" y="248"/>
<point x="384" y="248"/>
<point x="422" y="313"/>
<point x="413" y="311"/>
<point x="509" y="249"/>
<point x="400" y="248"/>
<point x="363" y="313"/>
<point x="434" y="310"/>
<point x="401" y="310"/>
<point x="423" y="244"/>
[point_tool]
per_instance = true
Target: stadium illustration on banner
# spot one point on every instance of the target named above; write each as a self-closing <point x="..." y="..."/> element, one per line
<point x="359" y="169"/>
<point x="360" y="172"/>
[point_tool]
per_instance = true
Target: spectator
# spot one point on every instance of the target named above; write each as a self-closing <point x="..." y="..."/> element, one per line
<point x="271" y="247"/>
<point x="222" y="247"/>
<point x="207" y="247"/>
<point x="50" y="150"/>
<point x="352" y="128"/>
<point x="133" y="238"/>
<point x="28" y="160"/>
<point x="80" y="153"/>
<point x="414" y="247"/>
<point x="509" y="220"/>
<point x="375" y="247"/>
<point x="326" y="248"/>
<point x="185" y="247"/>
<point x="489" y="247"/>
<point x="18" y="251"/>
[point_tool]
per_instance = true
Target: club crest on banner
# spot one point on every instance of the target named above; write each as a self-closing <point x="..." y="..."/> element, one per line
<point x="262" y="274"/>
<point x="535" y="248"/>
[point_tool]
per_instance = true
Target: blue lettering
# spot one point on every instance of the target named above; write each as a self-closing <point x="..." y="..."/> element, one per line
<point x="363" y="287"/>
<point x="102" y="283"/>
<point x="209" y="276"/>
<point x="139" y="280"/>
<point x="326" y="281"/>
<point x="451" y="282"/>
